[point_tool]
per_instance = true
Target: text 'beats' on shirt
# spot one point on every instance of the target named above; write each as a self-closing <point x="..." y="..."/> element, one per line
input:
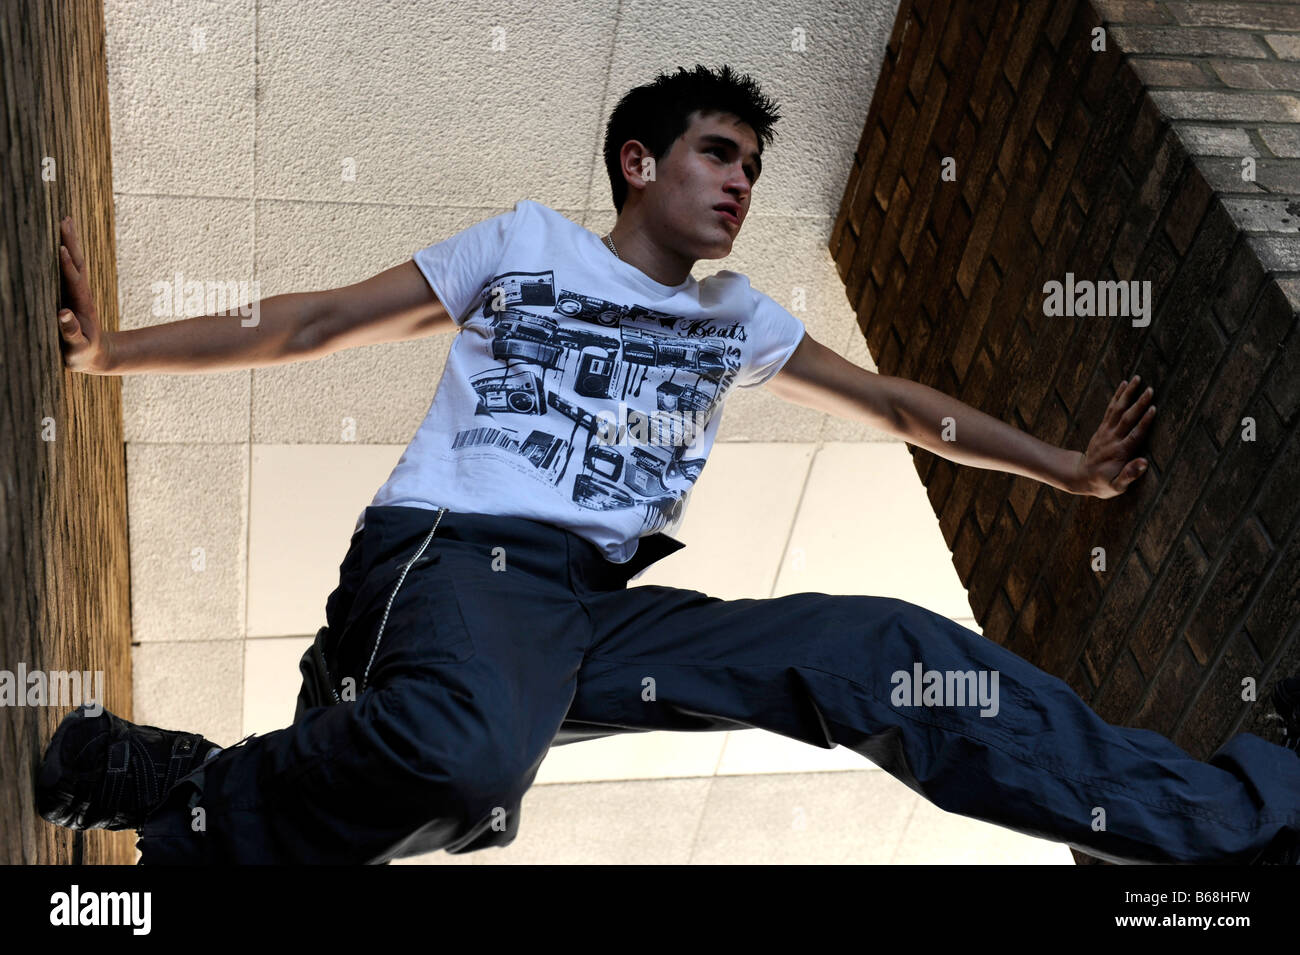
<point x="578" y="392"/>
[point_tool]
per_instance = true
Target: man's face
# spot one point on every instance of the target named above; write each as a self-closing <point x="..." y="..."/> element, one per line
<point x="713" y="164"/>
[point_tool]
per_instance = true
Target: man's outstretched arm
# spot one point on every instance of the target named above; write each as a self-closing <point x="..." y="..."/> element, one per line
<point x="395" y="305"/>
<point x="816" y="377"/>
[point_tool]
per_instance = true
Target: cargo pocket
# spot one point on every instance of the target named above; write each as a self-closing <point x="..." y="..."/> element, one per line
<point x="443" y="636"/>
<point x="418" y="623"/>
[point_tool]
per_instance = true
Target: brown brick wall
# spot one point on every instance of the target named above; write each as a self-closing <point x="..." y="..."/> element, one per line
<point x="1122" y="164"/>
<point x="64" y="590"/>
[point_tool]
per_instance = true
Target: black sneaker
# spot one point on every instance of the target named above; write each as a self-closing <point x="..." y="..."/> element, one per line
<point x="1286" y="701"/>
<point x="1284" y="850"/>
<point x="104" y="772"/>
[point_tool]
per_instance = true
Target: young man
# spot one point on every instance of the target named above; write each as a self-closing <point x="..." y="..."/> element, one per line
<point x="483" y="614"/>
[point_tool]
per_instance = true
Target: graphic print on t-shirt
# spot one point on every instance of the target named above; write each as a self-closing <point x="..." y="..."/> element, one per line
<point x="598" y="399"/>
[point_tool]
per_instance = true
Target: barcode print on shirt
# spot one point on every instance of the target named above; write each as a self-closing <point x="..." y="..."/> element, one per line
<point x="477" y="436"/>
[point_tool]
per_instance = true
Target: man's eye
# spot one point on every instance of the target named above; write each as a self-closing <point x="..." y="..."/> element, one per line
<point x="721" y="154"/>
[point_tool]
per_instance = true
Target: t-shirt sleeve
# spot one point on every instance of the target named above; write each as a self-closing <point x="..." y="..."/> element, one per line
<point x="776" y="334"/>
<point x="459" y="268"/>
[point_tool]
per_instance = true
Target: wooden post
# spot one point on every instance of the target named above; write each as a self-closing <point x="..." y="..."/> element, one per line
<point x="64" y="573"/>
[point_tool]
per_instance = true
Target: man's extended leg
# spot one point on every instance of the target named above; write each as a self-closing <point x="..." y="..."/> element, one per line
<point x="831" y="670"/>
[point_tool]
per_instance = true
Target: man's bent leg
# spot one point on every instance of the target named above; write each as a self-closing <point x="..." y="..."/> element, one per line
<point x="463" y="677"/>
<point x="1034" y="757"/>
<point x="345" y="784"/>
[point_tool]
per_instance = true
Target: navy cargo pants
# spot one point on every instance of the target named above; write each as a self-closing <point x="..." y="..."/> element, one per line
<point x="461" y="647"/>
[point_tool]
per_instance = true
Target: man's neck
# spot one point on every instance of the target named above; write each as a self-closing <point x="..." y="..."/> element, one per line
<point x="658" y="263"/>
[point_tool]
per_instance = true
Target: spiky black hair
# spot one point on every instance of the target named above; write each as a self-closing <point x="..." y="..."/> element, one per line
<point x="657" y="113"/>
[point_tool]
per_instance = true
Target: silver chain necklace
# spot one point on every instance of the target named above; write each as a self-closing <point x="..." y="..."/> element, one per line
<point x="609" y="241"/>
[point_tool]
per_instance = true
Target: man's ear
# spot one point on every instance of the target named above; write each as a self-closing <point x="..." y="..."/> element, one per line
<point x="638" y="164"/>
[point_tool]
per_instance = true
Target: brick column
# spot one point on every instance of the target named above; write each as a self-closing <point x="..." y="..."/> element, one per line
<point x="1115" y="141"/>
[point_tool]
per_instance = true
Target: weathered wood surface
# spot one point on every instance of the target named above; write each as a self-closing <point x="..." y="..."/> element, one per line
<point x="64" y="578"/>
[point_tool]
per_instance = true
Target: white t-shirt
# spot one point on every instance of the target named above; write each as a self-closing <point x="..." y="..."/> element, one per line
<point x="578" y="392"/>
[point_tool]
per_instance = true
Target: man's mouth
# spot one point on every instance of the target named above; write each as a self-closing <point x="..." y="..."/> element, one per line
<point x="727" y="214"/>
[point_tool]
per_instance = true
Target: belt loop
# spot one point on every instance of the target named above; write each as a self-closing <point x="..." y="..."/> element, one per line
<point x="568" y="561"/>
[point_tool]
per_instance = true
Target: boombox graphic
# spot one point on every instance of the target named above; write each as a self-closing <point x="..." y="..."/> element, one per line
<point x="603" y="461"/>
<point x="527" y="337"/>
<point x="639" y="470"/>
<point x="597" y="370"/>
<point x="588" y="309"/>
<point x="594" y="492"/>
<point x="523" y="336"/>
<point x="671" y="396"/>
<point x="519" y="288"/>
<point x="546" y="453"/>
<point x="514" y="323"/>
<point x="579" y="338"/>
<point x="645" y="473"/>
<point x="702" y="358"/>
<point x="520" y="392"/>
